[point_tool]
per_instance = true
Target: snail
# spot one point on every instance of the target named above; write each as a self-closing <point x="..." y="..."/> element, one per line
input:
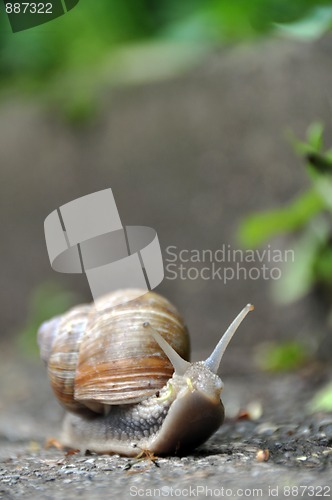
<point x="122" y="373"/>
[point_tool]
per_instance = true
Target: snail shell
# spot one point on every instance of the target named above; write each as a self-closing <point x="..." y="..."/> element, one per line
<point x="100" y="354"/>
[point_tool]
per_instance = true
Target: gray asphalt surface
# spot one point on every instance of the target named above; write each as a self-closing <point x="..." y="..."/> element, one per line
<point x="299" y="446"/>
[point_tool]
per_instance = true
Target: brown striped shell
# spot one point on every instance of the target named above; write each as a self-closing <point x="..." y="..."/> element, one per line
<point x="100" y="354"/>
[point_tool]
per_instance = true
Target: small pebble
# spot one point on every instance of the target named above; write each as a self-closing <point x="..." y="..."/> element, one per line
<point x="328" y="431"/>
<point x="262" y="455"/>
<point x="266" y="428"/>
<point x="303" y="431"/>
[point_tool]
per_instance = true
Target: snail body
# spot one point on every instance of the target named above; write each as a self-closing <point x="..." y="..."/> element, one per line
<point x="123" y="375"/>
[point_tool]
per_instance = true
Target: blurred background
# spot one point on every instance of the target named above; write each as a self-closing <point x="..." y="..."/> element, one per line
<point x="211" y="122"/>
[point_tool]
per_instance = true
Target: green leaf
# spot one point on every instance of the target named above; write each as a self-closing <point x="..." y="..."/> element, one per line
<point x="322" y="401"/>
<point x="299" y="275"/>
<point x="285" y="356"/>
<point x="323" y="185"/>
<point x="257" y="228"/>
<point x="315" y="136"/>
<point x="311" y="27"/>
<point x="319" y="165"/>
<point x="322" y="164"/>
<point x="323" y="265"/>
<point x="301" y="148"/>
<point x="328" y="155"/>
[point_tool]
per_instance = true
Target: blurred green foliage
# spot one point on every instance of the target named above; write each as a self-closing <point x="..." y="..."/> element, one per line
<point x="257" y="228"/>
<point x="288" y="355"/>
<point x="46" y="301"/>
<point x="111" y="41"/>
<point x="307" y="218"/>
<point x="322" y="401"/>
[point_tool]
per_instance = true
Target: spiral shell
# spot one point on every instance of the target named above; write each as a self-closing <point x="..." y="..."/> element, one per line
<point x="100" y="354"/>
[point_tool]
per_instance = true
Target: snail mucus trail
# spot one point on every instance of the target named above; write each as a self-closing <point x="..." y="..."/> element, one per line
<point x="142" y="406"/>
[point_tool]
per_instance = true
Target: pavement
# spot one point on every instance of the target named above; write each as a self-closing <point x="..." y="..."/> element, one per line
<point x="269" y="446"/>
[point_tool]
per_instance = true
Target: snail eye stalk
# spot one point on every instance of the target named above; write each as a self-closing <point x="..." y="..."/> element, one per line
<point x="213" y="361"/>
<point x="180" y="365"/>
